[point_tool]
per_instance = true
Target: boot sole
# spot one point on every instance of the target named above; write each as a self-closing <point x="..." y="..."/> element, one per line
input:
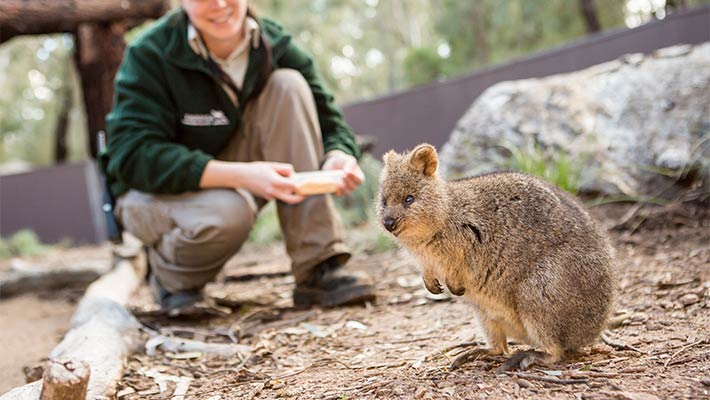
<point x="358" y="294"/>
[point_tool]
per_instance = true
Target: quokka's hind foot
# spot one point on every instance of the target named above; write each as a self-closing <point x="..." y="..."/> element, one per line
<point x="523" y="360"/>
<point x="471" y="354"/>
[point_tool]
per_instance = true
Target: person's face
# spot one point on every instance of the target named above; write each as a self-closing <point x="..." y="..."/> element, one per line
<point x="217" y="19"/>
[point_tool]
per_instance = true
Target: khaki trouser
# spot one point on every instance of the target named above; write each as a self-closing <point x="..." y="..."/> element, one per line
<point x="190" y="236"/>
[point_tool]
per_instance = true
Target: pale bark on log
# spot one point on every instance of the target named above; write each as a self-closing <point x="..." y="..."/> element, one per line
<point x="22" y="17"/>
<point x="65" y="379"/>
<point x="103" y="332"/>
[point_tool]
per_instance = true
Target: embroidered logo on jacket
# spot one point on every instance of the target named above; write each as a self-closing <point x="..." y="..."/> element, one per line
<point x="214" y="118"/>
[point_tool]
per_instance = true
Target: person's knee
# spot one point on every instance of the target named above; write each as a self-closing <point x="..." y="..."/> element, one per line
<point x="228" y="221"/>
<point x="286" y="80"/>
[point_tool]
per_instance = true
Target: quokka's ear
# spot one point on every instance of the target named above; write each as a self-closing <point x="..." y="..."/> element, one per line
<point x="423" y="159"/>
<point x="389" y="157"/>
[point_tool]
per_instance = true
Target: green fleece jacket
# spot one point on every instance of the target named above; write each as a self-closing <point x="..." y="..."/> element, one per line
<point x="171" y="115"/>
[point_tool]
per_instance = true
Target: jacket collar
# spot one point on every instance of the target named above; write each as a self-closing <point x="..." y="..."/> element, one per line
<point x="178" y="50"/>
<point x="251" y="39"/>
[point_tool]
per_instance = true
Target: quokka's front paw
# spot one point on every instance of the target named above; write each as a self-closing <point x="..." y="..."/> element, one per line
<point x="455" y="289"/>
<point x="433" y="285"/>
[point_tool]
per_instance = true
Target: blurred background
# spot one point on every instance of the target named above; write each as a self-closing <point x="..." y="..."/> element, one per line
<point x="385" y="60"/>
<point x="364" y="49"/>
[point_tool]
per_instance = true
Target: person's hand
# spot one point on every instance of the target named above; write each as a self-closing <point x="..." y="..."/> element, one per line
<point x="269" y="180"/>
<point x="353" y="175"/>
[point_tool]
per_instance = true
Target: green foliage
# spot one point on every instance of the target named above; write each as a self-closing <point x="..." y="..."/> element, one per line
<point x="554" y="167"/>
<point x="358" y="208"/>
<point x="36" y="76"/>
<point x="23" y="243"/>
<point x="135" y="32"/>
<point x="422" y="65"/>
<point x="383" y="243"/>
<point x="486" y="32"/>
<point x="5" y="249"/>
<point x="266" y="229"/>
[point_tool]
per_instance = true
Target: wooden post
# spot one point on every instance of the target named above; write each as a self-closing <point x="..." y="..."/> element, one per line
<point x="99" y="49"/>
<point x="65" y="380"/>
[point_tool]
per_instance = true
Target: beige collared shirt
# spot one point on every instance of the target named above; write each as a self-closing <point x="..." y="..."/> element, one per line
<point x="235" y="65"/>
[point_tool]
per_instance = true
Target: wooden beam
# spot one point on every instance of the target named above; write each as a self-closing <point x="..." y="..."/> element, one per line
<point x="23" y="17"/>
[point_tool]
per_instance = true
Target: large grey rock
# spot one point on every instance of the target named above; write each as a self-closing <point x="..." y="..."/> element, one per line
<point x="624" y="122"/>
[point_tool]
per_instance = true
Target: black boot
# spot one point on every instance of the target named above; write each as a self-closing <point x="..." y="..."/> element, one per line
<point x="330" y="286"/>
<point x="173" y="301"/>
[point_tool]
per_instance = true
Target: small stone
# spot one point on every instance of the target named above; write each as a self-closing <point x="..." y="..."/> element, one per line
<point x="639" y="317"/>
<point x="689" y="299"/>
<point x="524" y="384"/>
<point x="653" y="326"/>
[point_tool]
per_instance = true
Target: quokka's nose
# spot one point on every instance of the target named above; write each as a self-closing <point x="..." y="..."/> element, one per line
<point x="389" y="223"/>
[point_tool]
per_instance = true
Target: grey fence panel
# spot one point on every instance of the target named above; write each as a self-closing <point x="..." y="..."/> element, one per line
<point x="60" y="202"/>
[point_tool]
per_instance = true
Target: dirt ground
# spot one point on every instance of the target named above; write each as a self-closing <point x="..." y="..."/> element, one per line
<point x="395" y="348"/>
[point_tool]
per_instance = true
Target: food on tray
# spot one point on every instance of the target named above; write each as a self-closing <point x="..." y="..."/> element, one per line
<point x="317" y="182"/>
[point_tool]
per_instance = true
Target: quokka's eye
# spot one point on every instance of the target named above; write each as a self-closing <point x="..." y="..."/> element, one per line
<point x="409" y="199"/>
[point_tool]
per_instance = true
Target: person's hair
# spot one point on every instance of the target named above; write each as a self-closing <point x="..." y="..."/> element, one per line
<point x="267" y="61"/>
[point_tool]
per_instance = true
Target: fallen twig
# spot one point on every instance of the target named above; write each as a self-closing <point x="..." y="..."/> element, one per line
<point x="418" y="339"/>
<point x="252" y="330"/>
<point x="177" y="345"/>
<point x="546" y="378"/>
<point x="682" y="349"/>
<point x="600" y="362"/>
<point x="618" y="345"/>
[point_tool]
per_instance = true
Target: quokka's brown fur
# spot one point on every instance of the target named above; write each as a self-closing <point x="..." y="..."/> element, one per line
<point x="535" y="265"/>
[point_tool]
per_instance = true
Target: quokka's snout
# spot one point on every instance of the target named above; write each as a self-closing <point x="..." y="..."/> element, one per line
<point x="389" y="223"/>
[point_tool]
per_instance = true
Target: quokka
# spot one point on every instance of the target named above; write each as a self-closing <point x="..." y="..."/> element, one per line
<point x="535" y="265"/>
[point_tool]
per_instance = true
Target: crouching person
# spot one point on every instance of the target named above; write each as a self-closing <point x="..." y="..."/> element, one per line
<point x="214" y="110"/>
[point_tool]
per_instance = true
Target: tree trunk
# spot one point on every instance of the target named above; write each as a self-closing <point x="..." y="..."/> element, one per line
<point x="60" y="129"/>
<point x="590" y="15"/>
<point x="23" y="17"/>
<point x="99" y="49"/>
<point x="675" y="6"/>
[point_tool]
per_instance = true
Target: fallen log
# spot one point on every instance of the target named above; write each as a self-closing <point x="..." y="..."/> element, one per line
<point x="24" y="276"/>
<point x="103" y="332"/>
